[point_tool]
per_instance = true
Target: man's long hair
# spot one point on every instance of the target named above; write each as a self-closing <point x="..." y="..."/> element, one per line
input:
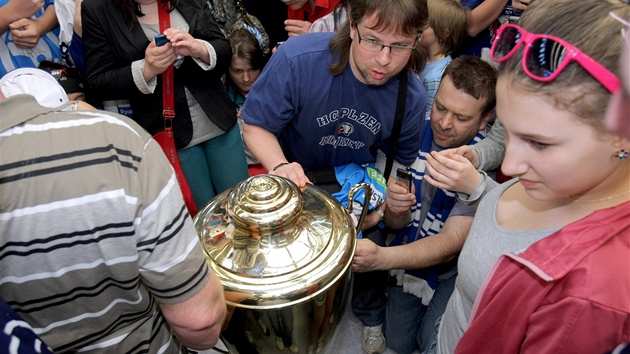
<point x="406" y="17"/>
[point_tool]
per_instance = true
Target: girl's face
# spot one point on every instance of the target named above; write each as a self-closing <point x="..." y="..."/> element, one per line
<point x="552" y="152"/>
<point x="242" y="74"/>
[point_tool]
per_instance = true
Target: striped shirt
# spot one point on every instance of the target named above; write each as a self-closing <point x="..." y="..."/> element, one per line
<point x="327" y="23"/>
<point x="93" y="230"/>
<point x="431" y="77"/>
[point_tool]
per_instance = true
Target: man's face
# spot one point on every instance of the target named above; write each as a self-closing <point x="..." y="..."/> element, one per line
<point x="377" y="68"/>
<point x="456" y="117"/>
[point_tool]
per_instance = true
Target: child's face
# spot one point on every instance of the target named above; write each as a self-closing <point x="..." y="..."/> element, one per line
<point x="428" y="37"/>
<point x="76" y="96"/>
<point x="242" y="74"/>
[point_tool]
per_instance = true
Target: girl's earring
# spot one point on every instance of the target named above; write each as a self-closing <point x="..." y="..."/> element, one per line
<point x="621" y="154"/>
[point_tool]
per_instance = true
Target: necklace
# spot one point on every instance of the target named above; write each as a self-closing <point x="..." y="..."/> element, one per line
<point x="597" y="200"/>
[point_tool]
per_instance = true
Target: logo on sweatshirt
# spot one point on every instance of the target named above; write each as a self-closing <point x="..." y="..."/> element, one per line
<point x="346" y="129"/>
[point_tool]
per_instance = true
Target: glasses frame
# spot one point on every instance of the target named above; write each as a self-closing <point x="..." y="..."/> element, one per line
<point x="572" y="53"/>
<point x="391" y="47"/>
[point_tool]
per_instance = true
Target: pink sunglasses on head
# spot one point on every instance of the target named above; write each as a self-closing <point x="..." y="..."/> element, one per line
<point x="545" y="56"/>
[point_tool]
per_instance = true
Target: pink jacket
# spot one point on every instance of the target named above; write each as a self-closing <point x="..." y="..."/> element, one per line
<point x="567" y="293"/>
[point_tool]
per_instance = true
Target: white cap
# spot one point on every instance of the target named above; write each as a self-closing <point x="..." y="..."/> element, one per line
<point x="35" y="82"/>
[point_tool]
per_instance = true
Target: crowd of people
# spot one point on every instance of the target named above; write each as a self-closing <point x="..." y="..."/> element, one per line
<point x="513" y="124"/>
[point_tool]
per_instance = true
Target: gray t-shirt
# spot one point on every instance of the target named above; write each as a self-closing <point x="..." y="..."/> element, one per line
<point x="486" y="241"/>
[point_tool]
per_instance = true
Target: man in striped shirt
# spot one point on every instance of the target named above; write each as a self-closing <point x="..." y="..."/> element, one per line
<point x="97" y="250"/>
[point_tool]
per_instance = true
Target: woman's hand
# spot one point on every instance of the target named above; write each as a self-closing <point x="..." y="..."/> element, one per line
<point x="185" y="45"/>
<point x="157" y="59"/>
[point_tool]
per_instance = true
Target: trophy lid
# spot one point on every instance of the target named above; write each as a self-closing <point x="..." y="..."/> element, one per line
<point x="274" y="243"/>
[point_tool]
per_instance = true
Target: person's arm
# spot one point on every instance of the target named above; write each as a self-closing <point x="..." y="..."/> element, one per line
<point x="197" y="321"/>
<point x="78" y="26"/>
<point x="217" y="52"/>
<point x="104" y="79"/>
<point x="491" y="150"/>
<point x="17" y="9"/>
<point x="27" y="31"/>
<point x="485" y="185"/>
<point x="170" y="258"/>
<point x="482" y="16"/>
<point x="422" y="253"/>
<point x="521" y="5"/>
<point x="264" y="145"/>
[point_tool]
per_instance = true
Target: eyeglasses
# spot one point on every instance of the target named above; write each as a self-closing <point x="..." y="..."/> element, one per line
<point x="545" y="56"/>
<point x="373" y="45"/>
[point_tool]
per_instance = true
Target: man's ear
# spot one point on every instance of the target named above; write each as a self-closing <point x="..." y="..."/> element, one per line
<point x="351" y="24"/>
<point x="485" y="119"/>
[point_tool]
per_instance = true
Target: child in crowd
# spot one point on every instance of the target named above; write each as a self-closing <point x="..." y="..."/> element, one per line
<point x="445" y="33"/>
<point x="245" y="67"/>
<point x="68" y="77"/>
<point x="545" y="265"/>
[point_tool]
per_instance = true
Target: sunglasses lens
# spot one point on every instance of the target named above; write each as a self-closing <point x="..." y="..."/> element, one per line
<point x="545" y="56"/>
<point x="508" y="40"/>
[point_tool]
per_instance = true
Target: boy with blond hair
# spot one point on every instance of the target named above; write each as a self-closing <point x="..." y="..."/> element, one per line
<point x="443" y="36"/>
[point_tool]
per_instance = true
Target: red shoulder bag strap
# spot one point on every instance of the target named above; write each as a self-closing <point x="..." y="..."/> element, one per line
<point x="168" y="97"/>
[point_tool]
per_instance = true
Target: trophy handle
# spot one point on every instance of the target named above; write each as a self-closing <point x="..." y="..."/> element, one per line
<point x="366" y="201"/>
